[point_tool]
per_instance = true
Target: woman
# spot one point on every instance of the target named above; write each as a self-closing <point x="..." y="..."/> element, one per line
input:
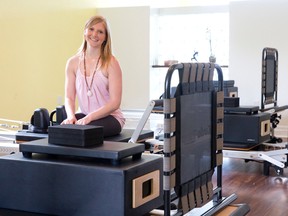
<point x="95" y="77"/>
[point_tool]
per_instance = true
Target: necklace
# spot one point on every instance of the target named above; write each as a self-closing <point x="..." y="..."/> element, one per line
<point x="89" y="92"/>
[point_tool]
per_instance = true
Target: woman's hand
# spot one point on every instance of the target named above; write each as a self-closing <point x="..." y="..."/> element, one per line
<point x="72" y="120"/>
<point x="83" y="121"/>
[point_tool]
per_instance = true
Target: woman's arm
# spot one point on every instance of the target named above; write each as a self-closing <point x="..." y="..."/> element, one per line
<point x="70" y="91"/>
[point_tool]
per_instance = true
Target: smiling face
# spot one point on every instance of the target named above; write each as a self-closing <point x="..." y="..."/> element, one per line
<point x="95" y="34"/>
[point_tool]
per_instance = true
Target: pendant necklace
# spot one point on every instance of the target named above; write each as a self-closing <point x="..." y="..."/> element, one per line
<point x="89" y="92"/>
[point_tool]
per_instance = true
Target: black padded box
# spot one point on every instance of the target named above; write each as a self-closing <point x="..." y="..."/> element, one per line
<point x="231" y="101"/>
<point x="245" y="110"/>
<point x="65" y="186"/>
<point x="241" y="130"/>
<point x="228" y="87"/>
<point x="75" y="135"/>
<point x="231" y="91"/>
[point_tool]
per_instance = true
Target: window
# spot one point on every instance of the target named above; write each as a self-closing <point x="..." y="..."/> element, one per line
<point x="184" y="36"/>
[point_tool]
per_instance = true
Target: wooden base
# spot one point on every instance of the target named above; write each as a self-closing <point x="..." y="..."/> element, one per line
<point x="240" y="209"/>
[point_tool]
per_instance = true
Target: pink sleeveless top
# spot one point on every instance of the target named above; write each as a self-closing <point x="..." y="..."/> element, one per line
<point x="100" y="94"/>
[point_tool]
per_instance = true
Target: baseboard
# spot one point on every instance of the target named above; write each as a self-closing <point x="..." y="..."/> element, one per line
<point x="154" y="122"/>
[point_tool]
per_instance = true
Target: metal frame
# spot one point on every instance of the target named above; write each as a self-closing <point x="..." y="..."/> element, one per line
<point x="271" y="54"/>
<point x="276" y="157"/>
<point x="218" y="201"/>
<point x="143" y="120"/>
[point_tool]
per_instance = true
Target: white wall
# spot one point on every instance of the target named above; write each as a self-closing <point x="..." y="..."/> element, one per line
<point x="130" y="29"/>
<point x="253" y="26"/>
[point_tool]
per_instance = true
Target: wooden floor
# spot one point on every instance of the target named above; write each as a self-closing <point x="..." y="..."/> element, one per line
<point x="266" y="195"/>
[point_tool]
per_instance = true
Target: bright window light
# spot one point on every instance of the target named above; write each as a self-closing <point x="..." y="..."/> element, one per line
<point x="186" y="38"/>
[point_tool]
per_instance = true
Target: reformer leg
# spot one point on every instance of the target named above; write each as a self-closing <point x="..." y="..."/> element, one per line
<point x="266" y="168"/>
<point x="167" y="203"/>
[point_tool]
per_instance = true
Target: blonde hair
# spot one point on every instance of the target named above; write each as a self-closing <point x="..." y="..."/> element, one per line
<point x="106" y="48"/>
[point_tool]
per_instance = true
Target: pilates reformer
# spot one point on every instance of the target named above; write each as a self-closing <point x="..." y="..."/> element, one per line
<point x="14" y="132"/>
<point x="8" y="129"/>
<point x="115" y="155"/>
<point x="42" y="120"/>
<point x="272" y="151"/>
